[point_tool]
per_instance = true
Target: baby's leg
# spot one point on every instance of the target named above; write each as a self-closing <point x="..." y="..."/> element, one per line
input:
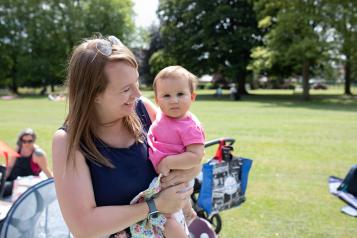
<point x="173" y="229"/>
<point x="188" y="212"/>
<point x="121" y="234"/>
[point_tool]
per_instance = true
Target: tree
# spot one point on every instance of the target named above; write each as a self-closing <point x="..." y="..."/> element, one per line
<point x="109" y="17"/>
<point x="36" y="36"/>
<point x="156" y="58"/>
<point x="13" y="43"/>
<point x="341" y="16"/>
<point x="295" y="38"/>
<point x="160" y="60"/>
<point x="210" y="36"/>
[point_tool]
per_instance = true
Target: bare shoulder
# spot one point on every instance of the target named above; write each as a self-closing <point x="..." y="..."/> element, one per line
<point x="59" y="144"/>
<point x="39" y="152"/>
<point x="59" y="137"/>
<point x="60" y="133"/>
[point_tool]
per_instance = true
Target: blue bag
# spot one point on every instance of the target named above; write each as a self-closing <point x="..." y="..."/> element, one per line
<point x="223" y="183"/>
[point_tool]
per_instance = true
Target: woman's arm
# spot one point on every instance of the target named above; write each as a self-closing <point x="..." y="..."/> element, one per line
<point x="76" y="198"/>
<point x="39" y="157"/>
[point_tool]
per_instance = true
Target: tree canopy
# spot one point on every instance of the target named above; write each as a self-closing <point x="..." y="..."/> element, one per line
<point x="303" y="36"/>
<point x="210" y="36"/>
<point x="232" y="38"/>
<point x="37" y="36"/>
<point x="341" y="17"/>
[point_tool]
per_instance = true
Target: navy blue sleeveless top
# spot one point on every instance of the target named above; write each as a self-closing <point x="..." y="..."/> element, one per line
<point x="133" y="170"/>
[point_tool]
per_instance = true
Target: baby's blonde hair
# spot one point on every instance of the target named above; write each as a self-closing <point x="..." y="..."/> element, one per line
<point x="176" y="72"/>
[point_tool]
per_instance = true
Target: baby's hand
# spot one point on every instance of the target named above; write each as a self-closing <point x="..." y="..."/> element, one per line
<point x="163" y="168"/>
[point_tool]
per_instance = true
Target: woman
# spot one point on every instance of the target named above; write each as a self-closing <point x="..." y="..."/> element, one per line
<point x="32" y="158"/>
<point x="100" y="157"/>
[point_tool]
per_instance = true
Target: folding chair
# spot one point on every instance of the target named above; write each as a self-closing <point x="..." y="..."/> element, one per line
<point x="35" y="213"/>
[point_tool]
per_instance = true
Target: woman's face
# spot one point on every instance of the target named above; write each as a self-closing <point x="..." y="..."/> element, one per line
<point x="27" y="141"/>
<point x="118" y="99"/>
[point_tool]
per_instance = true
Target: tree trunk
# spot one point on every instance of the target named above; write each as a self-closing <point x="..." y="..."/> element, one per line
<point x="348" y="76"/>
<point x="14" y="87"/>
<point x="44" y="89"/>
<point x="305" y="81"/>
<point x="241" y="84"/>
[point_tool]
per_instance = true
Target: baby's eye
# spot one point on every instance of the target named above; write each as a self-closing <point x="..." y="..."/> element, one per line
<point x="126" y="90"/>
<point x="166" y="96"/>
<point x="180" y="94"/>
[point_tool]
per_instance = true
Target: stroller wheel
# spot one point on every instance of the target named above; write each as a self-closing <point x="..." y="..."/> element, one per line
<point x="216" y="222"/>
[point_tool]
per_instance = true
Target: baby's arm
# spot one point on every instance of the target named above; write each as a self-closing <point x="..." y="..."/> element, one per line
<point x="186" y="160"/>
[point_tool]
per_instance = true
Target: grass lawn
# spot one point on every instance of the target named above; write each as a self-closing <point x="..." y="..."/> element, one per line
<point x="294" y="145"/>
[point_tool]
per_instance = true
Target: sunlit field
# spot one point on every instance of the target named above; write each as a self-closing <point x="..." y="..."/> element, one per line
<point x="294" y="145"/>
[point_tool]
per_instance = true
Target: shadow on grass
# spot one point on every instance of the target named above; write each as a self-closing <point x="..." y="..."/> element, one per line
<point x="320" y="102"/>
<point x="335" y="102"/>
<point x="27" y="96"/>
<point x="22" y="97"/>
<point x="32" y="96"/>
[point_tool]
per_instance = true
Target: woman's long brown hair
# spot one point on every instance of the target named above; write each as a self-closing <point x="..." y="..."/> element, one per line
<point x="85" y="81"/>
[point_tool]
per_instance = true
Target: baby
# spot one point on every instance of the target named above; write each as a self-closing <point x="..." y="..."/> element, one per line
<point x="176" y="137"/>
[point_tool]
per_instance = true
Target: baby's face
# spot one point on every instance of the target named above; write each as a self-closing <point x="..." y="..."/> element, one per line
<point x="174" y="97"/>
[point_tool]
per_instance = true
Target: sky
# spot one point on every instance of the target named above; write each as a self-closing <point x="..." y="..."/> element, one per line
<point x="145" y="12"/>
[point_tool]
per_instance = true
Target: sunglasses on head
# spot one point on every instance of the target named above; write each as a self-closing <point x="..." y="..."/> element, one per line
<point x="105" y="46"/>
<point x="27" y="141"/>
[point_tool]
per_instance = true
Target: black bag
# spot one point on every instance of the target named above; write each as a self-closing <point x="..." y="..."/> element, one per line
<point x="349" y="183"/>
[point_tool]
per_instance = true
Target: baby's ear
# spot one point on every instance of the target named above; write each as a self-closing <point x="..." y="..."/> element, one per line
<point x="193" y="96"/>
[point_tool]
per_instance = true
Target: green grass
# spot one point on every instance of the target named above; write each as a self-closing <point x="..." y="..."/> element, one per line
<point x="294" y="145"/>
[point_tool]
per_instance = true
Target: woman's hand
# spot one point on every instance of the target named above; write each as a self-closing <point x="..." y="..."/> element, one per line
<point x="179" y="176"/>
<point x="172" y="199"/>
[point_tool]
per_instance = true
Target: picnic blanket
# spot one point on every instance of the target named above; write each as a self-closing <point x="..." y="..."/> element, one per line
<point x="350" y="199"/>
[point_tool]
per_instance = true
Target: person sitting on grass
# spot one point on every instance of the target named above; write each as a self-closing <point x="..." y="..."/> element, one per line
<point x="32" y="158"/>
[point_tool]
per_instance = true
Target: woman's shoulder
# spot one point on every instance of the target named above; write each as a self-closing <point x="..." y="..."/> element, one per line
<point x="60" y="134"/>
<point x="59" y="140"/>
<point x="59" y="151"/>
<point x="39" y="151"/>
